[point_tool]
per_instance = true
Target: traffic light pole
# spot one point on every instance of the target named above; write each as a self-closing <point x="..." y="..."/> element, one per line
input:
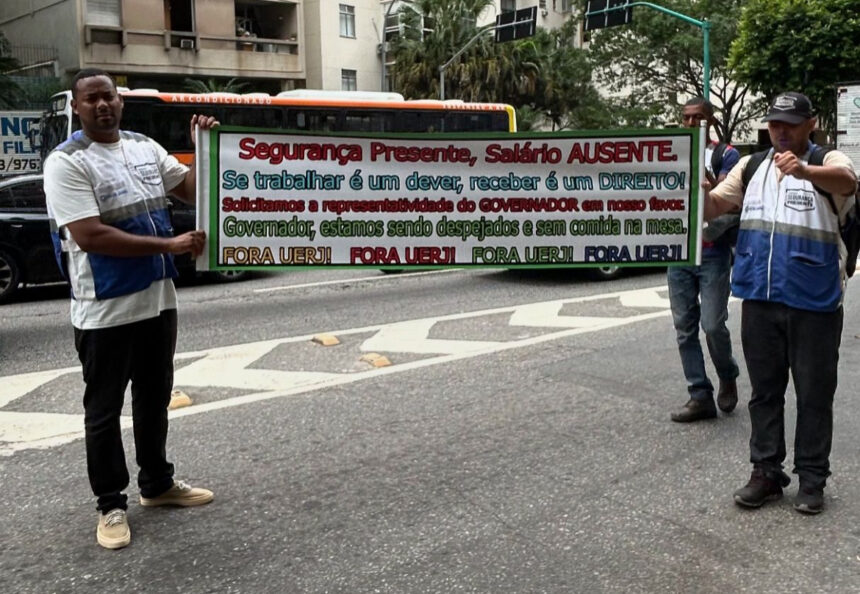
<point x="454" y="57"/>
<point x="703" y="24"/>
<point x="522" y="24"/>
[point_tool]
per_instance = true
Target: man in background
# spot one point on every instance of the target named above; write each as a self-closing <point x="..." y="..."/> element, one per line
<point x="699" y="295"/>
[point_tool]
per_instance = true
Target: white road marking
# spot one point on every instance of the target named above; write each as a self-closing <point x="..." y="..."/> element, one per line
<point x="229" y="366"/>
<point x="15" y="386"/>
<point x="411" y="337"/>
<point x="547" y="316"/>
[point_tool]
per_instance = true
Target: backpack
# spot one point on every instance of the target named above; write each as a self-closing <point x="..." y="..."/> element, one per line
<point x="724" y="228"/>
<point x="849" y="228"/>
<point x="717" y="158"/>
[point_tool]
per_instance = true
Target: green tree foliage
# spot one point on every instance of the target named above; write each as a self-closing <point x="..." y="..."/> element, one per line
<point x="562" y="92"/>
<point x="234" y="85"/>
<point x="36" y="91"/>
<point x="545" y="77"/>
<point x="9" y="91"/>
<point x="798" y="45"/>
<point x="657" y="61"/>
<point x="433" y="31"/>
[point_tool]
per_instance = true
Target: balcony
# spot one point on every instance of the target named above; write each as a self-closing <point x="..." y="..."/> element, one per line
<point x="181" y="52"/>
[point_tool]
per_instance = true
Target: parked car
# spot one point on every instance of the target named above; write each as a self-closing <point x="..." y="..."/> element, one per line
<point x="26" y="250"/>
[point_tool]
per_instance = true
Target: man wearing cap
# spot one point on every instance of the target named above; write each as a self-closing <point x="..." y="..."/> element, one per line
<point x="790" y="272"/>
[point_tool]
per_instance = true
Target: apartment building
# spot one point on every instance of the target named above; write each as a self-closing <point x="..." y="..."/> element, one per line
<point x="551" y="14"/>
<point x="275" y="44"/>
<point x="159" y="43"/>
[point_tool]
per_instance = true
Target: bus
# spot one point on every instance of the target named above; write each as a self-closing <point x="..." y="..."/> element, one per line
<point x="164" y="116"/>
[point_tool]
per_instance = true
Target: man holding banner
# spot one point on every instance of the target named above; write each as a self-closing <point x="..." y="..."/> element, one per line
<point x="700" y="294"/>
<point x="106" y="193"/>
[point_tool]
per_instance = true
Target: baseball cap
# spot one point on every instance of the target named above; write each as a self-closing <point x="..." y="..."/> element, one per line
<point x="791" y="108"/>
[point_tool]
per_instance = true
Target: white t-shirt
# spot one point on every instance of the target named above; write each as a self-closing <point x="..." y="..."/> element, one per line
<point x="71" y="197"/>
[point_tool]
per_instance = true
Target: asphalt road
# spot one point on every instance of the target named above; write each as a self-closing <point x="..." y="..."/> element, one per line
<point x="518" y="443"/>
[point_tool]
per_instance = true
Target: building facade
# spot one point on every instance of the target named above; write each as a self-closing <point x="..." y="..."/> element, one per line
<point x="159" y="43"/>
<point x="274" y="44"/>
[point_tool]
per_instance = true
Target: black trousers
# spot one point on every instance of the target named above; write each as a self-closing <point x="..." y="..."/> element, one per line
<point x="778" y="339"/>
<point x="140" y="352"/>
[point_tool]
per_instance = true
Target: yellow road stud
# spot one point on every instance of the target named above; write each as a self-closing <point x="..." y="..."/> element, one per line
<point x="326" y="339"/>
<point x="376" y="359"/>
<point x="178" y="399"/>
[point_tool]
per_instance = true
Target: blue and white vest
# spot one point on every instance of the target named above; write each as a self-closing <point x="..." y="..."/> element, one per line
<point x="131" y="197"/>
<point x="788" y="248"/>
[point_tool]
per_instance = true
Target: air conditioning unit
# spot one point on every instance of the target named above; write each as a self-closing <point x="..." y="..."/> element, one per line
<point x="186" y="43"/>
<point x="383" y="47"/>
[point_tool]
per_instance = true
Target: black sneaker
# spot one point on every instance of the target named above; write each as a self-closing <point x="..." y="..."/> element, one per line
<point x="760" y="489"/>
<point x="727" y="396"/>
<point x="695" y="410"/>
<point x="809" y="500"/>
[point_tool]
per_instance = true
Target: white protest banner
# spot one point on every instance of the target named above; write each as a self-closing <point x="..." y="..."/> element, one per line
<point x="273" y="199"/>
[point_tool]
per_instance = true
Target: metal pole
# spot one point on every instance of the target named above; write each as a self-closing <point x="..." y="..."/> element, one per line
<point x="455" y="56"/>
<point x="383" y="45"/>
<point x="706" y="61"/>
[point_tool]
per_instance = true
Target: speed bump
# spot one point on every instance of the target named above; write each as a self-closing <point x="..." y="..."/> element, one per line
<point x="375" y="359"/>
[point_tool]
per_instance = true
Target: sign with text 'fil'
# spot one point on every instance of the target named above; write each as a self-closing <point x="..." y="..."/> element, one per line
<point x="273" y="199"/>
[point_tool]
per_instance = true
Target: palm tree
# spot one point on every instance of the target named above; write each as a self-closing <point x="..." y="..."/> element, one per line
<point x="545" y="72"/>
<point x="234" y="85"/>
<point x="419" y="55"/>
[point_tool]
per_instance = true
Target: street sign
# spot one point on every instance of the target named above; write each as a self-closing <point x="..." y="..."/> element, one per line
<point x="516" y="24"/>
<point x="848" y="121"/>
<point x="595" y="18"/>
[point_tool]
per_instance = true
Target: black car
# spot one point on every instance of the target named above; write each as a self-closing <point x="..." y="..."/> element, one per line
<point x="26" y="250"/>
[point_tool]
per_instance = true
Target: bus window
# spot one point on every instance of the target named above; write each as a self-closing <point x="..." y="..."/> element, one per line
<point x="167" y="125"/>
<point x="469" y="121"/>
<point x="367" y="120"/>
<point x="53" y="131"/>
<point x="324" y="120"/>
<point x="418" y="121"/>
<point x="254" y="117"/>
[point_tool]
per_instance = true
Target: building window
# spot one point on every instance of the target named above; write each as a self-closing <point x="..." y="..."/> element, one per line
<point x="348" y="80"/>
<point x="347" y="20"/>
<point x="508" y="5"/>
<point x="103" y="12"/>
<point x="179" y="15"/>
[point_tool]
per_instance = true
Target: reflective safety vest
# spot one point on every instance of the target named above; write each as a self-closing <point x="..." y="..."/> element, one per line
<point x="788" y="248"/>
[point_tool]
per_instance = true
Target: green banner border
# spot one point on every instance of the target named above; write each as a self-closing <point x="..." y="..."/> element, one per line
<point x="693" y="248"/>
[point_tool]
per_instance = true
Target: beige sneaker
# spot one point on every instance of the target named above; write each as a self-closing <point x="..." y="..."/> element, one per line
<point x="113" y="531"/>
<point x="180" y="494"/>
